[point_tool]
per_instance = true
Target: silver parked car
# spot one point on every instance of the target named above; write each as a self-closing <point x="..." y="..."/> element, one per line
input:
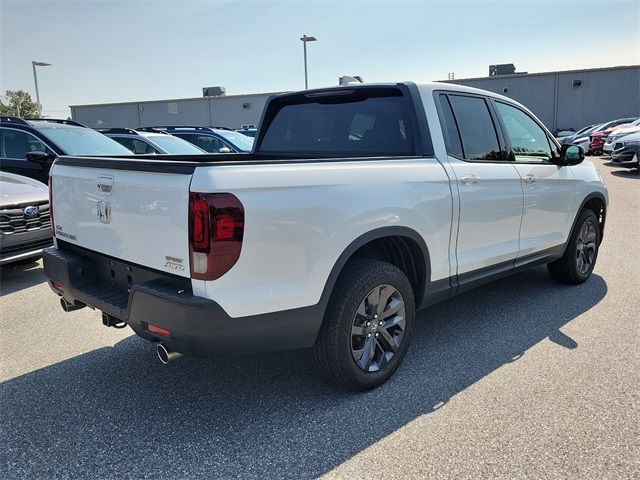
<point x="147" y="141"/>
<point x="25" y="226"/>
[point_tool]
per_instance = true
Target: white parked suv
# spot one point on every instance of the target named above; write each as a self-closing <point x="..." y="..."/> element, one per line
<point x="358" y="206"/>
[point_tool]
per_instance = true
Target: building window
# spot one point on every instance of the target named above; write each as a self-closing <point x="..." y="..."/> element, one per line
<point x="577" y="83"/>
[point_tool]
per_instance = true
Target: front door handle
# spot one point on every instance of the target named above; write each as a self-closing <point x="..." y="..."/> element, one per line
<point x="530" y="179"/>
<point x="469" y="180"/>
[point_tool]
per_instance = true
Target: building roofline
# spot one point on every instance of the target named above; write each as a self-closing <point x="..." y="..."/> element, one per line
<point x="172" y="100"/>
<point x="518" y="75"/>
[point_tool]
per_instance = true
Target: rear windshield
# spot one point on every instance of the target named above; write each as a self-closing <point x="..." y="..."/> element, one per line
<point x="344" y="125"/>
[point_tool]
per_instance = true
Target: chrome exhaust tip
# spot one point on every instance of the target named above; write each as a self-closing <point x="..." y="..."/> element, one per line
<point x="70" y="307"/>
<point x="165" y="354"/>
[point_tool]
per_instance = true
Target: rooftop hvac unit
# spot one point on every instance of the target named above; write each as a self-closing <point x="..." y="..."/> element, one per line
<point x="346" y="80"/>
<point x="502" y="69"/>
<point x="214" y="91"/>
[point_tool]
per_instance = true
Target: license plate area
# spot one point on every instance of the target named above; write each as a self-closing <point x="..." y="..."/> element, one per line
<point x="120" y="275"/>
<point x="116" y="276"/>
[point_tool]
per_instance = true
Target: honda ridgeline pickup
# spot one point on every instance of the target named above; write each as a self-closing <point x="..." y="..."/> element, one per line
<point x="357" y="206"/>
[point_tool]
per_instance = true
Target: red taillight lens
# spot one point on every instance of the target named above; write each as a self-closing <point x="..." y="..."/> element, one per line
<point x="200" y="233"/>
<point x="225" y="227"/>
<point x="216" y="228"/>
<point x="53" y="227"/>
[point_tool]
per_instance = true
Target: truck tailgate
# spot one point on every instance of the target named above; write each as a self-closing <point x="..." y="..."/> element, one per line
<point x="134" y="212"/>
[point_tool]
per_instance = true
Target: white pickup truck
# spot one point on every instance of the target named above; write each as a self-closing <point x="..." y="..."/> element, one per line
<point x="358" y="206"/>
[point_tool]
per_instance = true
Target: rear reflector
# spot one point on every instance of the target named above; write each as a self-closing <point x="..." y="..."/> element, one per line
<point x="216" y="228"/>
<point x="163" y="332"/>
<point x="58" y="286"/>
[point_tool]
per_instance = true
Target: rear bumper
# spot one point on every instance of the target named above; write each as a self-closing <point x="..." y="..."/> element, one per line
<point x="197" y="326"/>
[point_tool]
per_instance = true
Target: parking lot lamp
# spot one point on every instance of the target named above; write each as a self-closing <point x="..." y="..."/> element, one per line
<point x="35" y="64"/>
<point x="306" y="39"/>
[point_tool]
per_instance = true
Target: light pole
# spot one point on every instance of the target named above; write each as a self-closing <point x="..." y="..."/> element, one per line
<point x="306" y="39"/>
<point x="35" y="64"/>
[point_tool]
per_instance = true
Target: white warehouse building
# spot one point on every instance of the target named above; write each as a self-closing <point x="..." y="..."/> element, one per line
<point x="231" y="111"/>
<point x="563" y="99"/>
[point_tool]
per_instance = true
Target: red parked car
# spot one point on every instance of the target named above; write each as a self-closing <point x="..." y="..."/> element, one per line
<point x="597" y="138"/>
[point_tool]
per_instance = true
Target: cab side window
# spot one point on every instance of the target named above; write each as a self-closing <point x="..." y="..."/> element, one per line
<point x="16" y="144"/>
<point x="477" y="130"/>
<point x="529" y="142"/>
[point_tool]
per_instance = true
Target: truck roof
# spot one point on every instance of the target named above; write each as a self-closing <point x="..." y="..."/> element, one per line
<point x="424" y="87"/>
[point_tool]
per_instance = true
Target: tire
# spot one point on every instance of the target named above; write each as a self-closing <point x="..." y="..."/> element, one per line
<point x="346" y="338"/>
<point x="581" y="253"/>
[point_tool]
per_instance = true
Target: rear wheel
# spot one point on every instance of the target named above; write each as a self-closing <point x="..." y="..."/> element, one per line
<point x="367" y="326"/>
<point x="579" y="259"/>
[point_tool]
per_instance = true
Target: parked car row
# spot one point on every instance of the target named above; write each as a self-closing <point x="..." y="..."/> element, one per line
<point x="28" y="147"/>
<point x="620" y="139"/>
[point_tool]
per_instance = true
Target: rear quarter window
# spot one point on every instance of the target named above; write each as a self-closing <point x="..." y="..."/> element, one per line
<point x="477" y="130"/>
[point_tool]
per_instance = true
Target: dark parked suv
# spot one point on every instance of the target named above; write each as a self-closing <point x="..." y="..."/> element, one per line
<point x="29" y="147"/>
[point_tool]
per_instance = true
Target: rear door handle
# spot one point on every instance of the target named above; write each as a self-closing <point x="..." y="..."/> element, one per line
<point x="529" y="179"/>
<point x="469" y="180"/>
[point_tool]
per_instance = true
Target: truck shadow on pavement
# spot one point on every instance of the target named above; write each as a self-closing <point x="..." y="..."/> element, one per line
<point x="117" y="412"/>
<point x="18" y="276"/>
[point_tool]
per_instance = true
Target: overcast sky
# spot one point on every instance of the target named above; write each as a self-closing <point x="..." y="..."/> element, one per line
<point x="109" y="51"/>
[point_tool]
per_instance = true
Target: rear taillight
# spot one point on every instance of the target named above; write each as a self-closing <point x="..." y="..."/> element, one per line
<point x="216" y="227"/>
<point x="53" y="227"/>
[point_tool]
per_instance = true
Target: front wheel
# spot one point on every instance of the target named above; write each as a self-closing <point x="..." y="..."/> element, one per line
<point x="367" y="326"/>
<point x="579" y="259"/>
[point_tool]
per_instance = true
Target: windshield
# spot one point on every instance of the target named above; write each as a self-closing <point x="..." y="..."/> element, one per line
<point x="82" y="141"/>
<point x="583" y="130"/>
<point x="175" y="145"/>
<point x="240" y="141"/>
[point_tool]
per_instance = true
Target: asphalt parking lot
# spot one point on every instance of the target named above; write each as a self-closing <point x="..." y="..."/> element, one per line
<point x="520" y="378"/>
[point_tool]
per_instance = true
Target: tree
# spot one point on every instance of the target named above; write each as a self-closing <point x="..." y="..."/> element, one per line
<point x="18" y="103"/>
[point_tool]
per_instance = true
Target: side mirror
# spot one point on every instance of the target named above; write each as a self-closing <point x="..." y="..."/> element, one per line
<point x="225" y="150"/>
<point x="571" y="155"/>
<point x="42" y="158"/>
